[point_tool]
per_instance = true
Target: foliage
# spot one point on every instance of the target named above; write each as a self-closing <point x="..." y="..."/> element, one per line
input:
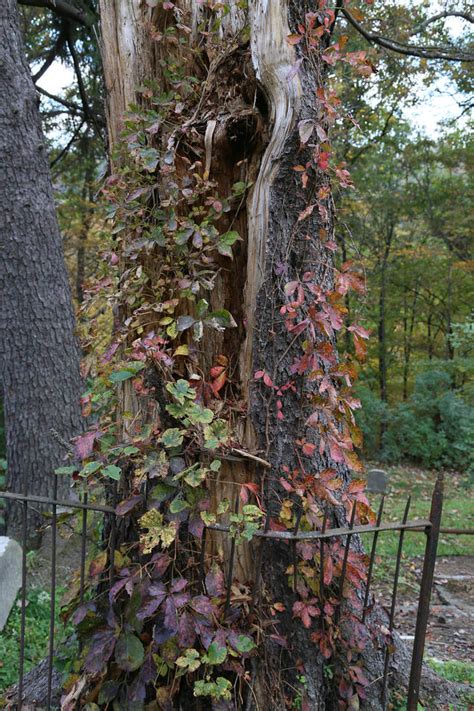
<point x="172" y="234"/>
<point x="37" y="635"/>
<point x="434" y="427"/>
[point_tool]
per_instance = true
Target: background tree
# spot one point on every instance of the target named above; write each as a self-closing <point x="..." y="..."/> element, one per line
<point x="39" y="353"/>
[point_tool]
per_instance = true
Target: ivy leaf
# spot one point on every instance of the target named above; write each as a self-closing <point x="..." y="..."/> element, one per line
<point x="161" y="492"/>
<point x="181" y="390"/>
<point x="100" y="651"/>
<point x="202" y="308"/>
<point x="185" y="322"/>
<point x="178" y="505"/>
<point x="224" y="245"/>
<point x="129" y="652"/>
<point x="90" y="468"/>
<point x="244" y="644"/>
<point x="112" y="472"/>
<point x="189" y="661"/>
<point x="220" y="319"/>
<point x="65" y="470"/>
<point x="172" y="438"/>
<point x="158" y="532"/>
<point x="195" y="477"/>
<point x="215" y="434"/>
<point x="215" y="654"/>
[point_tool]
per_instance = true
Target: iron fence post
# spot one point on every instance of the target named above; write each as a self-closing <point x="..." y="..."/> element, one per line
<point x="432" y="536"/>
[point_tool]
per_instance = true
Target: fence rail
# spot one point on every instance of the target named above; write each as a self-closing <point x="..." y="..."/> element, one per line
<point x="430" y="527"/>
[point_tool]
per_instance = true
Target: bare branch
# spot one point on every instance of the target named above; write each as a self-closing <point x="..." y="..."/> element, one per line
<point x="51" y="56"/>
<point x="409" y="50"/>
<point x="65" y="9"/>
<point x="68" y="145"/>
<point x="80" y="83"/>
<point x="68" y="104"/>
<point x="440" y="16"/>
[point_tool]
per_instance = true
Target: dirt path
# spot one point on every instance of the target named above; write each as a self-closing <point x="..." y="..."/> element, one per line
<point x="451" y="623"/>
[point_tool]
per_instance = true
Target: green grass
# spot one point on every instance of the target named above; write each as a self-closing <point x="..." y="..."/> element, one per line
<point x="37" y="635"/>
<point x="454" y="670"/>
<point x="458" y="511"/>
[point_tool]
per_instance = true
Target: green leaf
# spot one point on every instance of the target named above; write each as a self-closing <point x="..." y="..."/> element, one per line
<point x="129" y="652"/>
<point x="189" y="661"/>
<point x="215" y="654"/>
<point x="172" y="438"/>
<point x="161" y="492"/>
<point x="220" y="689"/>
<point x="239" y="188"/>
<point x="215" y="434"/>
<point x="220" y="319"/>
<point x="65" y="470"/>
<point x="178" y="505"/>
<point x="208" y="518"/>
<point x="181" y="390"/>
<point x="129" y="371"/>
<point x="112" y="472"/>
<point x="202" y="308"/>
<point x="130" y="450"/>
<point x="215" y="465"/>
<point x="244" y="644"/>
<point x="223" y="506"/>
<point x="195" y="477"/>
<point x="90" y="468"/>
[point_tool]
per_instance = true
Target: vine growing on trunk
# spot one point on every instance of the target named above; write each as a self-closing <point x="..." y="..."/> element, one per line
<point x="161" y="628"/>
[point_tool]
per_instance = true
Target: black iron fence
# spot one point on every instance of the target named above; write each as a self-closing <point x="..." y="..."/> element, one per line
<point x="430" y="528"/>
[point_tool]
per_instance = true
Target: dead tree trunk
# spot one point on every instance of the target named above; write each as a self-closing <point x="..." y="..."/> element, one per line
<point x="39" y="356"/>
<point x="257" y="100"/>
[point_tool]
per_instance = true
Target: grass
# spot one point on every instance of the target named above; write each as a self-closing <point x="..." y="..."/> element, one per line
<point x="37" y="635"/>
<point x="458" y="511"/>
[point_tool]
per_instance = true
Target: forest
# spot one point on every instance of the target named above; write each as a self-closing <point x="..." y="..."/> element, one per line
<point x="236" y="308"/>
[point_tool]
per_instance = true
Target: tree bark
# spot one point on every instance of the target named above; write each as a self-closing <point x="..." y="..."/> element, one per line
<point x="255" y="102"/>
<point x="39" y="355"/>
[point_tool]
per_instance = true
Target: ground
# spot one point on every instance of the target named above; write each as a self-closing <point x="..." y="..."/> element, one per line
<point x="450" y="638"/>
<point x="449" y="643"/>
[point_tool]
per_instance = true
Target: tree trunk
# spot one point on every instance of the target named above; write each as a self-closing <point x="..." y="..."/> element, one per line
<point x="39" y="356"/>
<point x="248" y="118"/>
<point x="408" y="326"/>
<point x="382" y="336"/>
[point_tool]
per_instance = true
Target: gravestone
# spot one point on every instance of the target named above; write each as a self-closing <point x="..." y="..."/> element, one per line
<point x="377" y="481"/>
<point x="10" y="576"/>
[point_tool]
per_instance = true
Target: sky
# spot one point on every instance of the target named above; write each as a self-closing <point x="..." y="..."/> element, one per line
<point x="434" y="104"/>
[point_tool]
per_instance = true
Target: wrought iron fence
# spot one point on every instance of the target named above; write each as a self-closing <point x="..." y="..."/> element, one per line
<point x="430" y="527"/>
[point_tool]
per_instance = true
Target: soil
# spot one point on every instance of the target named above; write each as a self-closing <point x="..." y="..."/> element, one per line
<point x="451" y="624"/>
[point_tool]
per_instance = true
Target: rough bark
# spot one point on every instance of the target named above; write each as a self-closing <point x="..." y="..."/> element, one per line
<point x="272" y="99"/>
<point x="39" y="356"/>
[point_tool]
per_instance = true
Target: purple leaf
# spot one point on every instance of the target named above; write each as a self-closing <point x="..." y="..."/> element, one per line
<point x="186" y="630"/>
<point x="160" y="563"/>
<point x="171" y="618"/>
<point x="179" y="585"/>
<point x="100" y="651"/>
<point x="124" y="507"/>
<point x="82" y="611"/>
<point x="203" y="605"/>
<point x="196" y="526"/>
<point x="84" y="444"/>
<point x="215" y="582"/>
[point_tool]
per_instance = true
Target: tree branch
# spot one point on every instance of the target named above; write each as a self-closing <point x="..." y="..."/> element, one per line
<point x="440" y="16"/>
<point x="80" y="83"/>
<point x="68" y="145"/>
<point x="65" y="9"/>
<point x="409" y="50"/>
<point x="68" y="104"/>
<point x="51" y="55"/>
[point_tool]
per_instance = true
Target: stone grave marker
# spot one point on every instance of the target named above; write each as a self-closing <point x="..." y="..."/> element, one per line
<point x="10" y="576"/>
<point x="377" y="481"/>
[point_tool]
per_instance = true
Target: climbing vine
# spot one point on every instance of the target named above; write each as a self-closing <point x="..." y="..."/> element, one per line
<point x="165" y="417"/>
